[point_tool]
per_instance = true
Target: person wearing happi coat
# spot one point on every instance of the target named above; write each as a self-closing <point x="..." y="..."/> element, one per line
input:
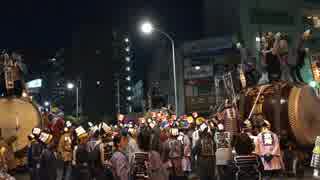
<point x="268" y="148"/>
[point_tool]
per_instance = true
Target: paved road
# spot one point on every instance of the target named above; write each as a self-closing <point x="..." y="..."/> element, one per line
<point x="26" y="177"/>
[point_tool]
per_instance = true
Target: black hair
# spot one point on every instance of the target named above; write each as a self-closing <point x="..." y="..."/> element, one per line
<point x="243" y="144"/>
<point x="116" y="140"/>
<point x="144" y="139"/>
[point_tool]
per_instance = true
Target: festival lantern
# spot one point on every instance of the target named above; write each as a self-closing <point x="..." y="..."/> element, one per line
<point x="190" y="119"/>
<point x="46" y="138"/>
<point x="200" y="120"/>
<point x="121" y="117"/>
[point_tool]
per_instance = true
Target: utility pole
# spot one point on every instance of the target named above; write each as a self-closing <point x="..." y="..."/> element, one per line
<point x="118" y="95"/>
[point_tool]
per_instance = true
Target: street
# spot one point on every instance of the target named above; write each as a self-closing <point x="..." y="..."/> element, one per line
<point x="307" y="177"/>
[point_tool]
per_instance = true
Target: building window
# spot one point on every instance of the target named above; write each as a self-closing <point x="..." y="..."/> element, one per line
<point x="266" y="16"/>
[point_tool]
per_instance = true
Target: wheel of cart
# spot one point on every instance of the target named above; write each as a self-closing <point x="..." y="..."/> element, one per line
<point x="248" y="167"/>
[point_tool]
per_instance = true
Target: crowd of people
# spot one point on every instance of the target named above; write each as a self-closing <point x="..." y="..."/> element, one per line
<point x="160" y="147"/>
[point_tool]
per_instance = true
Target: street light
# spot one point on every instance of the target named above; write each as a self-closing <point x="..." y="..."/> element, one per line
<point x="128" y="59"/>
<point x="46" y="103"/>
<point x="126" y="40"/>
<point x="71" y="86"/>
<point x="147" y="28"/>
<point x="128" y="68"/>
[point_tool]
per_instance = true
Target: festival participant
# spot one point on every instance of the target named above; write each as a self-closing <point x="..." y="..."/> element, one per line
<point x="101" y="155"/>
<point x="3" y="165"/>
<point x="146" y="163"/>
<point x="48" y="160"/>
<point x="65" y="151"/>
<point x="230" y="120"/>
<point x="247" y="163"/>
<point x="119" y="160"/>
<point x="315" y="161"/>
<point x="34" y="154"/>
<point x="80" y="161"/>
<point x="172" y="155"/>
<point x="270" y="59"/>
<point x="268" y="148"/>
<point x="205" y="150"/>
<point x="224" y="151"/>
<point x="186" y="143"/>
<point x="132" y="142"/>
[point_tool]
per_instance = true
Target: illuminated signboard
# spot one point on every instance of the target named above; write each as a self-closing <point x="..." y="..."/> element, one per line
<point x="37" y="83"/>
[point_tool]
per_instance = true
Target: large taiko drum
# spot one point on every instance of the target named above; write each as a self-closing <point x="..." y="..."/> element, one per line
<point x="17" y="118"/>
<point x="291" y="107"/>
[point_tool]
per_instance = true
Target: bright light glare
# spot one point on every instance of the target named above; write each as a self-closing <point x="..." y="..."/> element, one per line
<point x="70" y="85"/>
<point x="126" y="40"/>
<point x="147" y="28"/>
<point x="313" y="84"/>
<point x="128" y="59"/>
<point x="128" y="68"/>
<point x="24" y="94"/>
<point x="238" y="45"/>
<point x="129" y="98"/>
<point x="46" y="103"/>
<point x="129" y="88"/>
<point x="197" y="68"/>
<point x="128" y="49"/>
<point x="258" y="39"/>
<point x="128" y="78"/>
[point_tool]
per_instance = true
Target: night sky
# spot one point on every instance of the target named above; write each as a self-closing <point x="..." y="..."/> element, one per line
<point x="39" y="28"/>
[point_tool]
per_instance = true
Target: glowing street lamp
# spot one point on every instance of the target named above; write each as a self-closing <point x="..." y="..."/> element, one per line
<point x="128" y="68"/>
<point x="126" y="40"/>
<point x="70" y="85"/>
<point x="148" y="28"/>
<point x="128" y="59"/>
<point x="128" y="78"/>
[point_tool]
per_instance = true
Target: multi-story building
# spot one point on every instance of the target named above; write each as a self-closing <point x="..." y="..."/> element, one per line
<point x="123" y="56"/>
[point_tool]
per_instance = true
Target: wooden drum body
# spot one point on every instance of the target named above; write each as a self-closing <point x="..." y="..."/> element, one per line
<point x="291" y="107"/>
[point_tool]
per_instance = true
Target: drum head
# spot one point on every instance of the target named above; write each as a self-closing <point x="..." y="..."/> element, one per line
<point x="17" y="118"/>
<point x="303" y="112"/>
